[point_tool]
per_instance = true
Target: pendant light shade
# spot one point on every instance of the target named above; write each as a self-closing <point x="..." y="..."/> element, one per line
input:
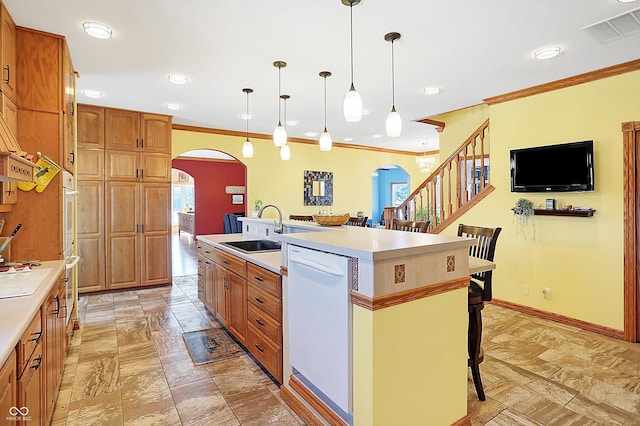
<point x="325" y="138"/>
<point x="285" y="153"/>
<point x="247" y="146"/>
<point x="352" y="106"/>
<point x="280" y="133"/>
<point x="394" y="122"/>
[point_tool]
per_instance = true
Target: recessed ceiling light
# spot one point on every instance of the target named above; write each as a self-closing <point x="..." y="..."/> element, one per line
<point x="348" y="139"/>
<point x="178" y="78"/>
<point x="547" y="52"/>
<point x="367" y="111"/>
<point x="431" y="90"/>
<point x="291" y="123"/>
<point x="311" y="134"/>
<point x="97" y="30"/>
<point x="626" y="1"/>
<point x="173" y="105"/>
<point x="246" y="116"/>
<point x="377" y="136"/>
<point x="92" y="93"/>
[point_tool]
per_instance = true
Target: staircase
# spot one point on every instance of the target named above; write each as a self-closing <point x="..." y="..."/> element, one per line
<point x="459" y="183"/>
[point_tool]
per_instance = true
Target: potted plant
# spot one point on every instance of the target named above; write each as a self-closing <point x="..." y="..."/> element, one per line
<point x="257" y="205"/>
<point x="522" y="211"/>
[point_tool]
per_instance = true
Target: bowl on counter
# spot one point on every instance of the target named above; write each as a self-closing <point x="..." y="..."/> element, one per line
<point x="331" y="219"/>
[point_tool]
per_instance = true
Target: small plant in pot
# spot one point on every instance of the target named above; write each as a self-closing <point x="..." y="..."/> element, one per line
<point x="257" y="205"/>
<point x="522" y="212"/>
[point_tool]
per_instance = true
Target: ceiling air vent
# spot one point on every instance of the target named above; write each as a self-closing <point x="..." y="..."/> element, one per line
<point x="615" y="28"/>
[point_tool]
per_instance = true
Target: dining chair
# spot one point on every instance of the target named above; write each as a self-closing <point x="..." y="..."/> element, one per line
<point x="357" y="221"/>
<point x="410" y="226"/>
<point x="483" y="247"/>
<point x="301" y="217"/>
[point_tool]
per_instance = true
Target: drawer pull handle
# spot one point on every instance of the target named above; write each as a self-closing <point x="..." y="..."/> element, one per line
<point x="259" y="348"/>
<point x="226" y="262"/>
<point x="258" y="278"/>
<point x="259" y="300"/>
<point x="39" y="360"/>
<point x="207" y="251"/>
<point x="260" y="323"/>
<point x="36" y="339"/>
<point x="207" y="262"/>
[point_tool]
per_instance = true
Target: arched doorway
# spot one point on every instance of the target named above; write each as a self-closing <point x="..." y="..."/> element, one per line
<point x="390" y="186"/>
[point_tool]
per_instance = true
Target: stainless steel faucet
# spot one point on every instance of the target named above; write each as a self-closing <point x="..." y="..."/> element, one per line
<point x="279" y="227"/>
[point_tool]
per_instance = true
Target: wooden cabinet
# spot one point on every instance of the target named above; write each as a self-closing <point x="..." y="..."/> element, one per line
<point x="8" y="386"/>
<point x="91" y="240"/>
<point x="30" y="369"/>
<point x="247" y="300"/>
<point x="8" y="53"/>
<point x="134" y="131"/>
<point x="55" y="345"/>
<point x="40" y="97"/>
<point x="138" y="234"/>
<point x="132" y="244"/>
<point x="265" y="318"/>
<point x="68" y="113"/>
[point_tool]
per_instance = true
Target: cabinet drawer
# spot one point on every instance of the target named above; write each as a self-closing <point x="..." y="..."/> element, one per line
<point x="208" y="251"/>
<point x="28" y="342"/>
<point x="264" y="279"/>
<point x="265" y="323"/>
<point x="268" y="353"/>
<point x="200" y="247"/>
<point x="200" y="261"/>
<point x="231" y="262"/>
<point x="265" y="301"/>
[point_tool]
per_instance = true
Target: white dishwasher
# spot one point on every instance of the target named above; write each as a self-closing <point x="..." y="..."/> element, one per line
<point x="320" y="323"/>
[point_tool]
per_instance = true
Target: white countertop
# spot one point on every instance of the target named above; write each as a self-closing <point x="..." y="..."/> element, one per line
<point x="269" y="260"/>
<point x="17" y="312"/>
<point x="373" y="243"/>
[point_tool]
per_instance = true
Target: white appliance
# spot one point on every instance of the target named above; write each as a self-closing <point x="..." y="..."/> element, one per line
<point x="319" y="287"/>
<point x="69" y="230"/>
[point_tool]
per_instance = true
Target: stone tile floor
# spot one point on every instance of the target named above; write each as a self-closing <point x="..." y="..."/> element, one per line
<point x="128" y="365"/>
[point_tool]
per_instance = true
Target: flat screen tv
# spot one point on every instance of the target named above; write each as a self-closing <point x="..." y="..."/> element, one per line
<point x="553" y="168"/>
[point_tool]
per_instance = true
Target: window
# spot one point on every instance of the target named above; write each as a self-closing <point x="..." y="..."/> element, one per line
<point x="399" y="193"/>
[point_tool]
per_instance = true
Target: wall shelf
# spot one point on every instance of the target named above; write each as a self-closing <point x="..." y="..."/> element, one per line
<point x="576" y="213"/>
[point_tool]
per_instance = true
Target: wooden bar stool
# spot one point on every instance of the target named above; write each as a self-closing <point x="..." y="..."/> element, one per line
<point x="479" y="292"/>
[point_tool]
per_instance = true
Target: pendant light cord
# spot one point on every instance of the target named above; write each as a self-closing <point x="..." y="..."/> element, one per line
<point x="393" y="79"/>
<point x="247" y="115"/>
<point x="279" y="92"/>
<point x="351" y="16"/>
<point x="325" y="103"/>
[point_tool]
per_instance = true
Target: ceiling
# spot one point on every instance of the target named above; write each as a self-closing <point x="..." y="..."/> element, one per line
<point x="472" y="49"/>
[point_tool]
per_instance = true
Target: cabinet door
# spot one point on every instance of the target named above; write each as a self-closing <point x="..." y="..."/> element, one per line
<point x="8" y="385"/>
<point x="90" y="228"/>
<point x="51" y="308"/>
<point x="68" y="113"/>
<point x="90" y="164"/>
<point x="156" y="133"/>
<point x="8" y="43"/>
<point x="10" y="114"/>
<point x="121" y="165"/>
<point x="9" y="194"/>
<point x="155" y="167"/>
<point x="210" y="285"/>
<point x="90" y="126"/>
<point x="237" y="306"/>
<point x="122" y="129"/>
<point x="202" y="279"/>
<point x="156" y="233"/>
<point x="221" y="294"/>
<point x="122" y="234"/>
<point x="30" y="387"/>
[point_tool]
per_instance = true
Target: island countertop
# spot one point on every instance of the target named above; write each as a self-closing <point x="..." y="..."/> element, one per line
<point x="17" y="312"/>
<point x="268" y="260"/>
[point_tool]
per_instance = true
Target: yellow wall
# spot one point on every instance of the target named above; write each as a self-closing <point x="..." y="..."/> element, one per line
<point x="580" y="259"/>
<point x="281" y="182"/>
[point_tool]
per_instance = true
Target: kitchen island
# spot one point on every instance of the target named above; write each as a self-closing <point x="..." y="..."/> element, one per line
<point x="387" y="344"/>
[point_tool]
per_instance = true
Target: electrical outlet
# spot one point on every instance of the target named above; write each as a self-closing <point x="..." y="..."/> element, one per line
<point x="546" y="292"/>
<point x="525" y="289"/>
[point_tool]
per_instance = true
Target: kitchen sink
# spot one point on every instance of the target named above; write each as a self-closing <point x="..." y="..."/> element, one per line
<point x="252" y="246"/>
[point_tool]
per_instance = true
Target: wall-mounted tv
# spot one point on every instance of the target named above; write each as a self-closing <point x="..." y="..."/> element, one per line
<point x="553" y="168"/>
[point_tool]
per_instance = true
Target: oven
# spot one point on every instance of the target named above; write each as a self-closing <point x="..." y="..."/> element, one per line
<point x="69" y="249"/>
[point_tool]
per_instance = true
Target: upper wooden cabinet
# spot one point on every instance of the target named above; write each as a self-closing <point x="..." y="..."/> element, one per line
<point x="69" y="152"/>
<point x="134" y="131"/>
<point x="90" y="126"/>
<point x="8" y="53"/>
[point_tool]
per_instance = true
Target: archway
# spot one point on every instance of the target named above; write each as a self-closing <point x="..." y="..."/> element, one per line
<point x="390" y="186"/>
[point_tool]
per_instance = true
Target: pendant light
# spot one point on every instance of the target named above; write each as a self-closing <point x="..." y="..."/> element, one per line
<point x="280" y="133"/>
<point x="285" y="151"/>
<point x="394" y="122"/>
<point x="247" y="146"/>
<point x="352" y="106"/>
<point x="325" y="138"/>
